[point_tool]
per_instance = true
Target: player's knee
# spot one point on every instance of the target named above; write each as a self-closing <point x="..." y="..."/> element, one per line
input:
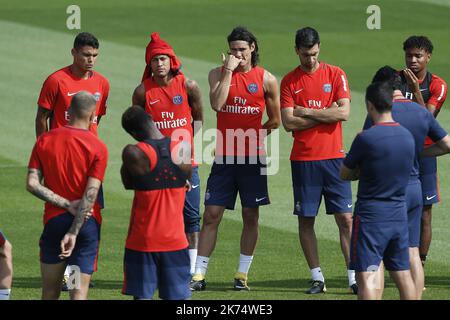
<point x="211" y="217"/>
<point x="344" y="221"/>
<point x="6" y="251"/>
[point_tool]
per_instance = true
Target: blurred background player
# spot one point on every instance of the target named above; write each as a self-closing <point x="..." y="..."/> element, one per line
<point x="72" y="161"/>
<point x="240" y="92"/>
<point x="175" y="104"/>
<point x="156" y="255"/>
<point x="315" y="99"/>
<point x="430" y="91"/>
<point x="6" y="268"/>
<point x="59" y="88"/>
<point x="382" y="158"/>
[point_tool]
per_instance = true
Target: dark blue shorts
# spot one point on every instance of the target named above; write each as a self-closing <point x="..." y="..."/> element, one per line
<point x="414" y="206"/>
<point x="144" y="272"/>
<point x="2" y="239"/>
<point x="85" y="252"/>
<point x="226" y="180"/>
<point x="192" y="205"/>
<point x="429" y="180"/>
<point x="312" y="179"/>
<point x="373" y="242"/>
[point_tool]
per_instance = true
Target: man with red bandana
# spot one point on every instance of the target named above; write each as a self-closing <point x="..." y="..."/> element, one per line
<point x="175" y="104"/>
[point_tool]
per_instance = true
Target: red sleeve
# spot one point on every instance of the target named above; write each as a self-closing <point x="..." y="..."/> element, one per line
<point x="34" y="162"/>
<point x="438" y="91"/>
<point x="102" y="110"/>
<point x="98" y="167"/>
<point x="49" y="92"/>
<point x="341" y="85"/>
<point x="286" y="100"/>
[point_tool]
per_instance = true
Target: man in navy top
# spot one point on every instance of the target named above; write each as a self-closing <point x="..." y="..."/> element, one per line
<point x="381" y="158"/>
<point x="421" y="124"/>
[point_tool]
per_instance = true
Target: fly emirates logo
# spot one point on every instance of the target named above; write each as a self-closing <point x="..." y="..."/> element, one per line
<point x="239" y="107"/>
<point x="169" y="122"/>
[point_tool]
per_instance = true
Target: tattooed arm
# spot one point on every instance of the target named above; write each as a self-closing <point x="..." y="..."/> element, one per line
<point x="35" y="186"/>
<point x="85" y="206"/>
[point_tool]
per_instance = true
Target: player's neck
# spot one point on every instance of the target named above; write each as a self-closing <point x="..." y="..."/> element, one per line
<point x="245" y="68"/>
<point x="398" y="95"/>
<point x="164" y="81"/>
<point x="421" y="74"/>
<point x="382" y="118"/>
<point x="80" y="73"/>
<point x="80" y="124"/>
<point x="310" y="69"/>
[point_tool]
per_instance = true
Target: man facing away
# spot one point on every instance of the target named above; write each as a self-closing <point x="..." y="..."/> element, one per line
<point x="72" y="162"/>
<point x="381" y="158"/>
<point x="157" y="169"/>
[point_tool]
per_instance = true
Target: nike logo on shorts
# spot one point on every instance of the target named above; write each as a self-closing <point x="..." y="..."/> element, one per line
<point x="429" y="198"/>
<point x="260" y="199"/>
<point x="196" y="186"/>
<point x="349" y="205"/>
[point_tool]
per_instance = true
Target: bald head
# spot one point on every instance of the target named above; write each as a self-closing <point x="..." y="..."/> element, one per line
<point x="82" y="106"/>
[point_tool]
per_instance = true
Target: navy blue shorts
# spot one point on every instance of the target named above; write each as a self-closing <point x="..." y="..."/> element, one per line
<point x="144" y="272"/>
<point x="2" y="239"/>
<point x="226" y="180"/>
<point x="414" y="206"/>
<point x="312" y="179"/>
<point x="428" y="178"/>
<point x="192" y="205"/>
<point x="85" y="252"/>
<point x="373" y="242"/>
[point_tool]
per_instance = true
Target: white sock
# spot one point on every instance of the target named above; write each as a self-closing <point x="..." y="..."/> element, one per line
<point x="351" y="277"/>
<point x="316" y="274"/>
<point x="67" y="271"/>
<point x="201" y="265"/>
<point x="193" y="258"/>
<point x="244" y="263"/>
<point x="5" y="294"/>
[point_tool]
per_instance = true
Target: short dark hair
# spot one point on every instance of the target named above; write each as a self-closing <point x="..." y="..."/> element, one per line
<point x="387" y="73"/>
<point x="380" y="95"/>
<point x="85" y="39"/>
<point x="419" y="42"/>
<point x="306" y="38"/>
<point x="242" y="34"/>
<point x="136" y="122"/>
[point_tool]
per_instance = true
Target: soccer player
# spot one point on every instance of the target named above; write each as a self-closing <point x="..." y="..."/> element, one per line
<point x="6" y="268"/>
<point x="381" y="158"/>
<point x="430" y="91"/>
<point x="59" y="88"/>
<point x="315" y="99"/>
<point x="175" y="104"/>
<point x="156" y="254"/>
<point x="72" y="162"/>
<point x="421" y="124"/>
<point x="240" y="93"/>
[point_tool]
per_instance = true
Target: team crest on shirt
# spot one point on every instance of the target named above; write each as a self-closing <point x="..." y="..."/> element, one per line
<point x="252" y="87"/>
<point x="97" y="96"/>
<point x="327" y="87"/>
<point x="178" y="99"/>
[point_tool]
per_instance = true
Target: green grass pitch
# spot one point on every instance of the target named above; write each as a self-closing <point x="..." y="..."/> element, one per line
<point x="36" y="42"/>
